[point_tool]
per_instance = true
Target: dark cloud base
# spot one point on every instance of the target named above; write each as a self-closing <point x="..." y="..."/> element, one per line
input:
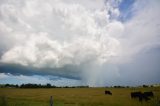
<point x="15" y="69"/>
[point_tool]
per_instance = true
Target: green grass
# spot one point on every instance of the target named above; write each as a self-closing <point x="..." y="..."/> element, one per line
<point x="75" y="97"/>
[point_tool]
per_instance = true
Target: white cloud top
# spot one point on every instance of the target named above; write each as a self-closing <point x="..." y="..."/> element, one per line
<point x="57" y="33"/>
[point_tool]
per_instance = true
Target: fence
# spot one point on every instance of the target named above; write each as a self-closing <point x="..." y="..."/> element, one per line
<point x="51" y="101"/>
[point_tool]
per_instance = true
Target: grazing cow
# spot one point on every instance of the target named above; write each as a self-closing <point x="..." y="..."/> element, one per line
<point x="142" y="96"/>
<point x="108" y="92"/>
<point x="149" y="94"/>
<point x="138" y="95"/>
<point x="135" y="94"/>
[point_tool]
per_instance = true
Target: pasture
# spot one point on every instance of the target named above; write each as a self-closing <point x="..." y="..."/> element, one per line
<point x="75" y="97"/>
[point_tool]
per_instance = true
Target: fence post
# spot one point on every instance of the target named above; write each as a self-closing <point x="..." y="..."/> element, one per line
<point x="51" y="101"/>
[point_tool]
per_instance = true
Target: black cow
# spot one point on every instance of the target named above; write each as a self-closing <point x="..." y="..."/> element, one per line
<point x="142" y="96"/>
<point x="138" y="95"/>
<point x="135" y="94"/>
<point x="149" y="94"/>
<point x="108" y="92"/>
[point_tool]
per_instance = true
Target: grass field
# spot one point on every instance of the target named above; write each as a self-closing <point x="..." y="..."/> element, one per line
<point x="75" y="97"/>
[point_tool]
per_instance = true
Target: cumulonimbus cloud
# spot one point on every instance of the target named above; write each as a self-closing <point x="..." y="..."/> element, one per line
<point x="58" y="33"/>
<point x="55" y="34"/>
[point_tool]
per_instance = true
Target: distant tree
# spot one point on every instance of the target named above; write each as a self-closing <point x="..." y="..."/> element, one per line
<point x="145" y="86"/>
<point x="119" y="86"/>
<point x="7" y="85"/>
<point x="16" y="86"/>
<point x="48" y="85"/>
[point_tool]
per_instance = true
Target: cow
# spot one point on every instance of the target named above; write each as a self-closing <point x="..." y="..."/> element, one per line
<point x="138" y="95"/>
<point x="108" y="92"/>
<point x="142" y="96"/>
<point x="149" y="94"/>
<point x="135" y="94"/>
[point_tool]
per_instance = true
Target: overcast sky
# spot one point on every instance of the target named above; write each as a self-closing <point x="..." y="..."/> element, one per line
<point x="80" y="42"/>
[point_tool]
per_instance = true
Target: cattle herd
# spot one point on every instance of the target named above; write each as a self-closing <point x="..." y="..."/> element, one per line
<point x="108" y="93"/>
<point x="140" y="95"/>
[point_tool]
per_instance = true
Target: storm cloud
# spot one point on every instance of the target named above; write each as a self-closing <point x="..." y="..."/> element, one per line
<point x="82" y="40"/>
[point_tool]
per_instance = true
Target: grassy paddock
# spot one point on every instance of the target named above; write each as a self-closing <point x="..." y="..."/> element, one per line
<point x="75" y="97"/>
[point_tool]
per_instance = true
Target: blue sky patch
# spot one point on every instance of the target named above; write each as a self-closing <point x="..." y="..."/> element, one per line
<point x="125" y="8"/>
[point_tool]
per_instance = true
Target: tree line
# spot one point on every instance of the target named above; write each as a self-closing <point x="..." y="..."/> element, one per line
<point x="48" y="85"/>
<point x="29" y="85"/>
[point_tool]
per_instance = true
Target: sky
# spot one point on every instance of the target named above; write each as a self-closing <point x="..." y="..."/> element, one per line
<point x="80" y="42"/>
